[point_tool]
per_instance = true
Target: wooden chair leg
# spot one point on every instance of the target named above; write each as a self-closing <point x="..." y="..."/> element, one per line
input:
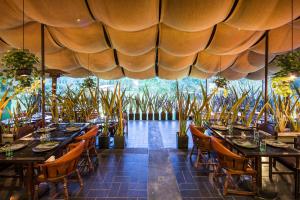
<point x="192" y="151"/>
<point x="79" y="178"/>
<point x="225" y="189"/>
<point x="271" y="167"/>
<point x="198" y="158"/>
<point x="90" y="163"/>
<point x="66" y="192"/>
<point x="254" y="186"/>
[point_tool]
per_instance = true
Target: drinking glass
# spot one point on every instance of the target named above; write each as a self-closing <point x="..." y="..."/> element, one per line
<point x="263" y="146"/>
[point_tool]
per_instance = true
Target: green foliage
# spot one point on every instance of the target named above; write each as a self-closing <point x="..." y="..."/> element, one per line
<point x="289" y="63"/>
<point x="17" y="62"/>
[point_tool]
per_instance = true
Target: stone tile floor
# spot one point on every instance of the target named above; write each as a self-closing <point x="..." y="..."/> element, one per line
<point x="150" y="168"/>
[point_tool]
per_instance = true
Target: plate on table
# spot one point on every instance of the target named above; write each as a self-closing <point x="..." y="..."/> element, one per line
<point x="42" y="147"/>
<point x="72" y="128"/>
<point x="13" y="147"/>
<point x="242" y="127"/>
<point x="245" y="143"/>
<point x="219" y="127"/>
<point x="276" y="143"/>
<point x="46" y="129"/>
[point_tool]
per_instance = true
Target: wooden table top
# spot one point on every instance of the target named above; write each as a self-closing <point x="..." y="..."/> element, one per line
<point x="252" y="152"/>
<point x="27" y="155"/>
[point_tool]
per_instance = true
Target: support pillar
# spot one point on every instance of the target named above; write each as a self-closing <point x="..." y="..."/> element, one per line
<point x="266" y="73"/>
<point x="43" y="72"/>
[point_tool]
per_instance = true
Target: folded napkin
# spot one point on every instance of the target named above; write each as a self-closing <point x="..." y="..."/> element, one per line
<point x="51" y="159"/>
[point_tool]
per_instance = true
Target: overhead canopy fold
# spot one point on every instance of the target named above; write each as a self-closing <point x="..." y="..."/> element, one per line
<point x="280" y="39"/>
<point x="59" y="13"/>
<point x="137" y="63"/>
<point x="97" y="62"/>
<point x="79" y="73"/>
<point x="194" y="15"/>
<point x="263" y="15"/>
<point x="229" y="40"/>
<point x="88" y="39"/>
<point x="196" y="73"/>
<point x="11" y="16"/>
<point x="147" y="74"/>
<point x="133" y="43"/>
<point x="115" y="73"/>
<point x="174" y="62"/>
<point x="129" y="15"/>
<point x="242" y="64"/>
<point x="212" y="63"/>
<point x="3" y="46"/>
<point x="231" y="74"/>
<point x="172" y="75"/>
<point x="181" y="43"/>
<point x="32" y="38"/>
<point x="64" y="60"/>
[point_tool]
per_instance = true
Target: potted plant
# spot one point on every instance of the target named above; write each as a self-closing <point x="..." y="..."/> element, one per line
<point x="137" y="107"/>
<point x="201" y="110"/>
<point x="150" y="107"/>
<point x="185" y="107"/>
<point x="108" y="101"/>
<point x="168" y="106"/>
<point x="19" y="65"/>
<point x="119" y="138"/>
<point x="157" y="104"/>
<point x="143" y="106"/>
<point x="131" y="106"/>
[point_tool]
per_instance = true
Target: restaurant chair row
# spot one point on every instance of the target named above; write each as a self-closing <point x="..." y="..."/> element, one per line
<point x="79" y="155"/>
<point x="227" y="163"/>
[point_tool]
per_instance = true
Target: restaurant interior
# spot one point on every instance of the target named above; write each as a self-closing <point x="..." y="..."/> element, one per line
<point x="149" y="99"/>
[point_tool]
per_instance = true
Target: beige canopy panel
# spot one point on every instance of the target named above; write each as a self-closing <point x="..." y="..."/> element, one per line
<point x="11" y="16"/>
<point x="59" y="13"/>
<point x="148" y="73"/>
<point x="172" y="75"/>
<point x="212" y="63"/>
<point x="3" y="47"/>
<point x="196" y="73"/>
<point x="97" y="62"/>
<point x="230" y="41"/>
<point x="181" y="43"/>
<point x="231" y="74"/>
<point x="174" y="62"/>
<point x="280" y="39"/>
<point x="113" y="74"/>
<point x="142" y="39"/>
<point x="79" y="72"/>
<point x="194" y="15"/>
<point x="64" y="60"/>
<point x="133" y="43"/>
<point x="129" y="15"/>
<point x="32" y="38"/>
<point x="263" y="14"/>
<point x="137" y="63"/>
<point x="243" y="64"/>
<point x="87" y="39"/>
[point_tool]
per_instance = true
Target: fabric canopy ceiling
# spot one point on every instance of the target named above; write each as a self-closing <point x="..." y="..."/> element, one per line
<point x="170" y="39"/>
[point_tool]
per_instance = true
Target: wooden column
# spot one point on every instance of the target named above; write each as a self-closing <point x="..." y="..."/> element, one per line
<point x="54" y="99"/>
<point x="43" y="72"/>
<point x="266" y="73"/>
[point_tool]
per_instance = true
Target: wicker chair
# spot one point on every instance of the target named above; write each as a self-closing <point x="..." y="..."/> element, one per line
<point x="231" y="165"/>
<point x="89" y="149"/>
<point x="59" y="169"/>
<point x="201" y="142"/>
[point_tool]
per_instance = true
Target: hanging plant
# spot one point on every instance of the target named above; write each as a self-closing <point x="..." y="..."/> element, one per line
<point x="19" y="66"/>
<point x="289" y="63"/>
<point x="282" y="85"/>
<point x="89" y="83"/>
<point x="221" y="82"/>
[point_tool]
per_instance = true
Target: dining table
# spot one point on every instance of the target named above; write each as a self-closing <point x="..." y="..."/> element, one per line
<point x="62" y="134"/>
<point x="255" y="153"/>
